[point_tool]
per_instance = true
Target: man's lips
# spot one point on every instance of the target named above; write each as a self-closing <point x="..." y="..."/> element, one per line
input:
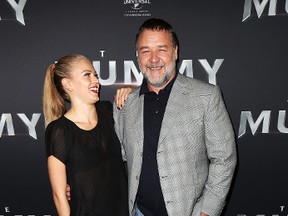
<point x="155" y="67"/>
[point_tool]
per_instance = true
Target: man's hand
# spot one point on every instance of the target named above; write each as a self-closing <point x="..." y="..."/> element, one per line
<point x="203" y="214"/>
<point x="121" y="96"/>
<point x="68" y="192"/>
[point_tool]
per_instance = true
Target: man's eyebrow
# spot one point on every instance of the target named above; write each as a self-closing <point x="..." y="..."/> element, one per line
<point x="143" y="47"/>
<point x="159" y="46"/>
<point x="162" y="46"/>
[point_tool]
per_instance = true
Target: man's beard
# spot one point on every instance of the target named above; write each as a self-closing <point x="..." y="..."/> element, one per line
<point x="163" y="80"/>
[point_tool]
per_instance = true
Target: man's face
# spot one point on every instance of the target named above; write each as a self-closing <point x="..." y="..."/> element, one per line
<point x="157" y="57"/>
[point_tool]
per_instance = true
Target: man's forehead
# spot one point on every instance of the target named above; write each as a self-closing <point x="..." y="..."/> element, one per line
<point x="155" y="36"/>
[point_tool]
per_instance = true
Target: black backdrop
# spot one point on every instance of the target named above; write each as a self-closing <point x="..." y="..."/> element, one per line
<point x="248" y="52"/>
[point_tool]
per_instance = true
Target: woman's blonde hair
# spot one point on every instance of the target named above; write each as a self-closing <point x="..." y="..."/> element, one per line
<point x="54" y="95"/>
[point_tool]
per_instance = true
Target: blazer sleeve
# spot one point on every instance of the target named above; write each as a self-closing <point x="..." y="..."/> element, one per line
<point x="221" y="151"/>
<point x="118" y="125"/>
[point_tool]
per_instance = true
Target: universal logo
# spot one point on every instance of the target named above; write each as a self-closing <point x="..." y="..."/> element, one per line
<point x="137" y="8"/>
<point x="18" y="9"/>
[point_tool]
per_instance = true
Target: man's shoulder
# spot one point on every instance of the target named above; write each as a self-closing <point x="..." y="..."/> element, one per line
<point x="134" y="95"/>
<point x="193" y="84"/>
<point x="133" y="100"/>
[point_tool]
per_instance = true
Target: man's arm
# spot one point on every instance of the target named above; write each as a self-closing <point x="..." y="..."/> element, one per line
<point x="221" y="151"/>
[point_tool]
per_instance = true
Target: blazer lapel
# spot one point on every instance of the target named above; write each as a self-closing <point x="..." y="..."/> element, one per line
<point x="136" y="110"/>
<point x="173" y="107"/>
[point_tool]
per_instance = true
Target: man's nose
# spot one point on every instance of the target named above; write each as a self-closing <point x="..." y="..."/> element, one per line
<point x="154" y="57"/>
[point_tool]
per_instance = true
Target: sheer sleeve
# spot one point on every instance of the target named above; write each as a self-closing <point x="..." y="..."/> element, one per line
<point x="58" y="141"/>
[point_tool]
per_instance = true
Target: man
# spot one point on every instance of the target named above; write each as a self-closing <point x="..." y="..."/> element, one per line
<point x="176" y="134"/>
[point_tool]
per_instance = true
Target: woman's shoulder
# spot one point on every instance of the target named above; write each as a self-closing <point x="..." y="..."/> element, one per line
<point x="56" y="122"/>
<point x="58" y="139"/>
<point x="58" y="125"/>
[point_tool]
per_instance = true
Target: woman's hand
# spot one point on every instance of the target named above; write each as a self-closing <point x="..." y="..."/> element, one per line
<point x="121" y="96"/>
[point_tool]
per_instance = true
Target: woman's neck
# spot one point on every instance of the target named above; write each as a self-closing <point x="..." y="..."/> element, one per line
<point x="85" y="116"/>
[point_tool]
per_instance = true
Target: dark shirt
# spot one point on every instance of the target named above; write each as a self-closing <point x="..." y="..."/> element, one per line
<point x="95" y="170"/>
<point x="149" y="197"/>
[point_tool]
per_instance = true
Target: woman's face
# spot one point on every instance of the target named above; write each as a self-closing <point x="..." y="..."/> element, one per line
<point x="83" y="82"/>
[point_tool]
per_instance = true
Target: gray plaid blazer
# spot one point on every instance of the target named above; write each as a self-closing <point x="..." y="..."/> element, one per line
<point x="196" y="153"/>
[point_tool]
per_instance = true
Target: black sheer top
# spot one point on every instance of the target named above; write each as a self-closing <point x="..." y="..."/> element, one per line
<point x="95" y="171"/>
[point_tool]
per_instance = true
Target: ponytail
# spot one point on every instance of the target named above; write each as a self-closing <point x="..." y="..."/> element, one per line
<point x="54" y="95"/>
<point x="53" y="102"/>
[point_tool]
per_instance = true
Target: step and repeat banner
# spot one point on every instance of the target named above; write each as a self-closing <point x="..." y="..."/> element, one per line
<point x="240" y="45"/>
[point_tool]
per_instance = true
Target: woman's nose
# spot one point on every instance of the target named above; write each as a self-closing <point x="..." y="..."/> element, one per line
<point x="95" y="79"/>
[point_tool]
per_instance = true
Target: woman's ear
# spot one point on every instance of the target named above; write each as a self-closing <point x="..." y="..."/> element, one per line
<point x="67" y="85"/>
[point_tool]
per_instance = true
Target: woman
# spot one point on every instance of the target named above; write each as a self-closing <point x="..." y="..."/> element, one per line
<point x="82" y="147"/>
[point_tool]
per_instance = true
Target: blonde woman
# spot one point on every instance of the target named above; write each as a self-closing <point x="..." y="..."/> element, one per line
<point x="82" y="147"/>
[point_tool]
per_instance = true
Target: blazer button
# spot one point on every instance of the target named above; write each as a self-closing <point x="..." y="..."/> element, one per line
<point x="168" y="202"/>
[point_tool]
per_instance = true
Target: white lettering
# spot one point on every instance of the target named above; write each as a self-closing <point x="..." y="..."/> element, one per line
<point x="132" y="76"/>
<point x="211" y="71"/>
<point x="186" y="66"/>
<point x="102" y="53"/>
<point x="7" y="118"/>
<point x="260" y="8"/>
<point x="7" y="209"/>
<point x="247" y="116"/>
<point x="112" y="72"/>
<point x="30" y="124"/>
<point x="281" y="121"/>
<point x="18" y="8"/>
<point x="136" y="1"/>
<point x="129" y="67"/>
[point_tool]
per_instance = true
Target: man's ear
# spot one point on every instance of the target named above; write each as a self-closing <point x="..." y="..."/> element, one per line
<point x="176" y="53"/>
<point x="67" y="85"/>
